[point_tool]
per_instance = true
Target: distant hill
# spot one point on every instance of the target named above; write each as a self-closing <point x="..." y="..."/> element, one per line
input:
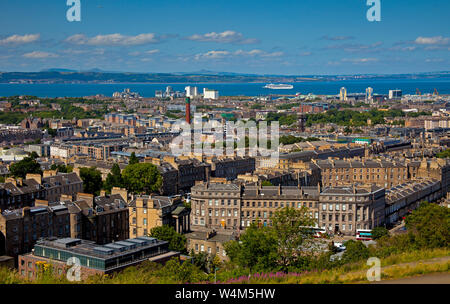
<point x="56" y="75"/>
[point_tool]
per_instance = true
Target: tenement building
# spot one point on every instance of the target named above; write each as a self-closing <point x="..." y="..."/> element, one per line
<point x="19" y="193"/>
<point x="402" y="199"/>
<point x="383" y="173"/>
<point x="344" y="210"/>
<point x="147" y="212"/>
<point x="21" y="228"/>
<point x="337" y="209"/>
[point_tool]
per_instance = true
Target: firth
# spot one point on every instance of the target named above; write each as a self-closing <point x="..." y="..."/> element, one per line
<point x="195" y="294"/>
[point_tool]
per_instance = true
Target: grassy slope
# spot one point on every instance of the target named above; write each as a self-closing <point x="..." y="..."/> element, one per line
<point x="394" y="267"/>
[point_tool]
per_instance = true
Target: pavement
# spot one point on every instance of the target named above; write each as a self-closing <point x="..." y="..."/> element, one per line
<point x="439" y="278"/>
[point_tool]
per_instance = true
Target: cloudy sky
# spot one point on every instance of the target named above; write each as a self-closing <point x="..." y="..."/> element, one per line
<point x="300" y="37"/>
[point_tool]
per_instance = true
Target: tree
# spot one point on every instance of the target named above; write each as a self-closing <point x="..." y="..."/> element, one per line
<point x="289" y="225"/>
<point x="176" y="272"/>
<point x="379" y="232"/>
<point x="62" y="168"/>
<point x="92" y="180"/>
<point x="25" y="166"/>
<point x="200" y="260"/>
<point x="142" y="178"/>
<point x="355" y="251"/>
<point x="177" y="241"/>
<point x="133" y="159"/>
<point x="256" y="250"/>
<point x="444" y="154"/>
<point x="114" y="179"/>
<point x="266" y="183"/>
<point x="34" y="155"/>
<point x="430" y="224"/>
<point x="348" y="130"/>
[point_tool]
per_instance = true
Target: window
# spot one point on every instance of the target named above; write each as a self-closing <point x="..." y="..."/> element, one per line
<point x="145" y="211"/>
<point x="344" y="207"/>
<point x="145" y="222"/>
<point x="343" y="226"/>
<point x="337" y="207"/>
<point x="324" y="207"/>
<point x="330" y="207"/>
<point x="202" y="248"/>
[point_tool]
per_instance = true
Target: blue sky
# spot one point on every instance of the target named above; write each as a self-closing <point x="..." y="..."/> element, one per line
<point x="300" y="37"/>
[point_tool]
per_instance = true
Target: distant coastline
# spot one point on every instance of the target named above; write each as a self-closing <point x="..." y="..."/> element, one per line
<point x="63" y="77"/>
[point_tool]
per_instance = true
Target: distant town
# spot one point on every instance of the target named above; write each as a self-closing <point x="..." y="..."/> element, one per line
<point x="95" y="178"/>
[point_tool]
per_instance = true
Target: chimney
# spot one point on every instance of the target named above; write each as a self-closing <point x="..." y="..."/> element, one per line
<point x="25" y="211"/>
<point x="65" y="197"/>
<point x="40" y="203"/>
<point x="11" y="180"/>
<point x="36" y="177"/>
<point x="121" y="191"/>
<point x="188" y="110"/>
<point x="89" y="198"/>
<point x="48" y="173"/>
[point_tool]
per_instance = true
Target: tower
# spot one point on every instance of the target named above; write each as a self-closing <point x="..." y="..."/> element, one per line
<point x="343" y="94"/>
<point x="369" y="94"/>
<point x="188" y="110"/>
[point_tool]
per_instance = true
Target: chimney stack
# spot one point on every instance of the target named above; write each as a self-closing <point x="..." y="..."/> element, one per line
<point x="188" y="110"/>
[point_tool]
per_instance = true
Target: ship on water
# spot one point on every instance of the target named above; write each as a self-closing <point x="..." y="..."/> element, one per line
<point x="279" y="86"/>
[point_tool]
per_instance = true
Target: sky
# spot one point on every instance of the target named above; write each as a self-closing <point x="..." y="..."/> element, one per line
<point x="285" y="37"/>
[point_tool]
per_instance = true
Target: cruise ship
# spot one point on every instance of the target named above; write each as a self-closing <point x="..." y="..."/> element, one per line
<point x="279" y="86"/>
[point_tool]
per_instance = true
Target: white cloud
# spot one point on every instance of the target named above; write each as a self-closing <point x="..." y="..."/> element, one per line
<point x="224" y="37"/>
<point x="238" y="53"/>
<point x="434" y="60"/>
<point x="150" y="52"/>
<point x="17" y="39"/>
<point x="212" y="55"/>
<point x="359" y="60"/>
<point x="337" y="38"/>
<point x="40" y="55"/>
<point x="113" y="39"/>
<point x="437" y="40"/>
<point x="353" y="47"/>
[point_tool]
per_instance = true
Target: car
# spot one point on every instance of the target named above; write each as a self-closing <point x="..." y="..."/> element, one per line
<point x="340" y="247"/>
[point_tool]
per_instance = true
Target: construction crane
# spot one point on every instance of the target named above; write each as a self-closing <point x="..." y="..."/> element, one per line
<point x="435" y="93"/>
<point x="418" y="92"/>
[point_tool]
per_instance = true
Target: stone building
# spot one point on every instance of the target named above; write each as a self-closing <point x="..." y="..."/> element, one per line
<point x="344" y="210"/>
<point x="209" y="241"/>
<point x="21" y="228"/>
<point x="147" y="212"/>
<point x="19" y="193"/>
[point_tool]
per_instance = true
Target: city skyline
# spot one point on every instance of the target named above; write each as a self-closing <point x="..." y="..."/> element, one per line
<point x="263" y="37"/>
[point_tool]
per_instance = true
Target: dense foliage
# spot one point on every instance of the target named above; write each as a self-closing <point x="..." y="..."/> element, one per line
<point x="167" y="233"/>
<point x="357" y="119"/>
<point x="114" y="179"/>
<point x="444" y="154"/>
<point x="92" y="180"/>
<point x="25" y="166"/>
<point x="278" y="247"/>
<point x="142" y="178"/>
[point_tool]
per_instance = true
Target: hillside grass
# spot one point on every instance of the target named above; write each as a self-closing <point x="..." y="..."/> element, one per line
<point x="393" y="267"/>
